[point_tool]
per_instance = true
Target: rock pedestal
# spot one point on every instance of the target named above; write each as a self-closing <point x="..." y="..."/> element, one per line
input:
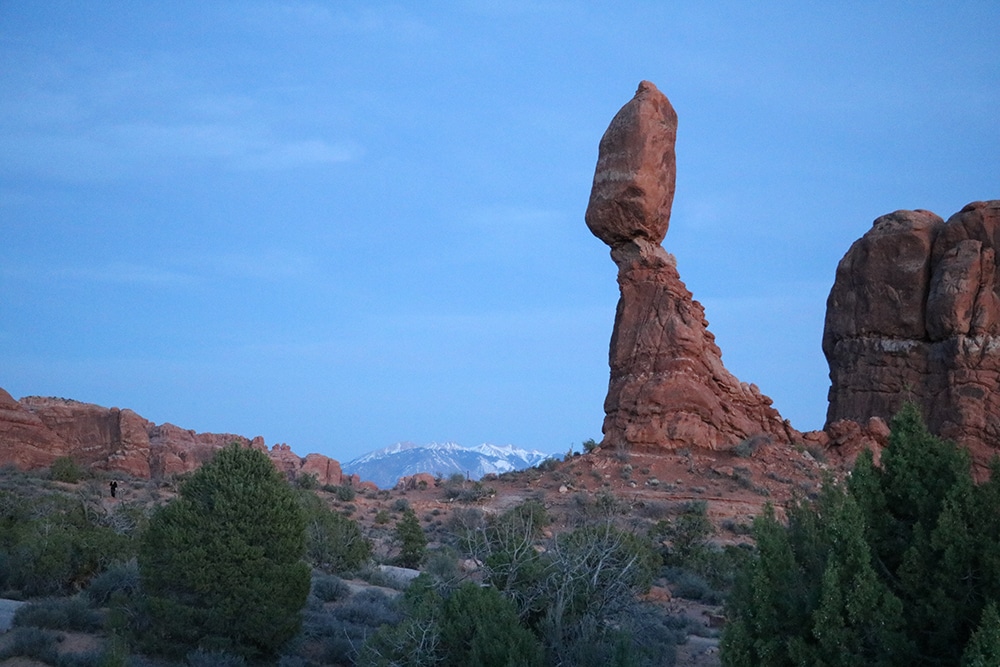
<point x="668" y="386"/>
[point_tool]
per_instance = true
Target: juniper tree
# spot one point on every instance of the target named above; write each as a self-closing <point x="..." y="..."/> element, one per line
<point x="221" y="565"/>
<point x="901" y="569"/>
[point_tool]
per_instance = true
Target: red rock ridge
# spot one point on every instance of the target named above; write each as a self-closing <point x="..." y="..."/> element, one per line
<point x="35" y="431"/>
<point x="668" y="386"/>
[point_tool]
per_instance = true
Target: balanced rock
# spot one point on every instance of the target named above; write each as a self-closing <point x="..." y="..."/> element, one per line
<point x="914" y="314"/>
<point x="668" y="386"/>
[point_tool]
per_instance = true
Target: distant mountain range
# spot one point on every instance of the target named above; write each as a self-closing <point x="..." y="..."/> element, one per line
<point x="386" y="466"/>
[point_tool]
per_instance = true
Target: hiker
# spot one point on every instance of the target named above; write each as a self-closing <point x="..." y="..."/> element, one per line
<point x="114" y="487"/>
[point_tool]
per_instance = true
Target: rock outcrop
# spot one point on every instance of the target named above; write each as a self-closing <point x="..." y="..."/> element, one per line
<point x="914" y="314"/>
<point x="35" y="431"/>
<point x="668" y="386"/>
<point x="25" y="441"/>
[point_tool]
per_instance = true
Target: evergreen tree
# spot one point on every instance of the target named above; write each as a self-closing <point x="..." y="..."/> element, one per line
<point x="222" y="565"/>
<point x="983" y="649"/>
<point x="411" y="539"/>
<point x="858" y="620"/>
<point x="901" y="569"/>
<point x="480" y="628"/>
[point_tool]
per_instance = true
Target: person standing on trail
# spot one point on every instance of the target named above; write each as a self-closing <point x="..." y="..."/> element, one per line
<point x="114" y="487"/>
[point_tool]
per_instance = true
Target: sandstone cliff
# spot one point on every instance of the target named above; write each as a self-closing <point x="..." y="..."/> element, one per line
<point x="914" y="314"/>
<point x="35" y="431"/>
<point x="668" y="386"/>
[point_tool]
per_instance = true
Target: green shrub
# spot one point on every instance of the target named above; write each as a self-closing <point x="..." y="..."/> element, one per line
<point x="118" y="578"/>
<point x="329" y="588"/>
<point x="50" y="544"/>
<point x="29" y="642"/>
<point x="334" y="542"/>
<point x="307" y="481"/>
<point x="222" y="565"/>
<point x="480" y="628"/>
<point x="401" y="505"/>
<point x="203" y="658"/>
<point x="65" y="469"/>
<point x="345" y="493"/>
<point x="71" y="614"/>
<point x="691" y="586"/>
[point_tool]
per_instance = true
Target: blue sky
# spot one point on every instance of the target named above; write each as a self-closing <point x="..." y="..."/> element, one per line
<point x="342" y="225"/>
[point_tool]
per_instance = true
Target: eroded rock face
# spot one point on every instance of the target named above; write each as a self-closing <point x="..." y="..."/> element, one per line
<point x="35" y="431"/>
<point x="25" y="441"/>
<point x="668" y="385"/>
<point x="914" y="313"/>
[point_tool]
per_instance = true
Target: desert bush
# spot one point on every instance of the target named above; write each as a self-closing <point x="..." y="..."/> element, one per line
<point x="50" y="544"/>
<point x="118" y="578"/>
<point x="442" y="564"/>
<point x="71" y="614"/>
<point x="307" y="481"/>
<point x="688" y="534"/>
<point x="86" y="659"/>
<point x="692" y="586"/>
<point x="469" y="493"/>
<point x="329" y="588"/>
<point x="65" y="469"/>
<point x="333" y="634"/>
<point x="334" y="543"/>
<point x="370" y="608"/>
<point x="202" y="658"/>
<point x="30" y="642"/>
<point x="462" y="524"/>
<point x="473" y="626"/>
<point x="222" y="565"/>
<point x="345" y="493"/>
<point x="401" y="505"/>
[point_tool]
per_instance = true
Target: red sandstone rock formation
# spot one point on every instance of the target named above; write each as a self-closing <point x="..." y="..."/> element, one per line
<point x="25" y="441"/>
<point x="35" y="431"/>
<point x="668" y="385"/>
<point x="106" y="438"/>
<point x="914" y="314"/>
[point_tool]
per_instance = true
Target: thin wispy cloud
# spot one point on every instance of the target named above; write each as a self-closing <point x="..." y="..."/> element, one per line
<point x="124" y="273"/>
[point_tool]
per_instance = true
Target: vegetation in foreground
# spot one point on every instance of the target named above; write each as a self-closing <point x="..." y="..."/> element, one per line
<point x="899" y="566"/>
<point x="896" y="566"/>
<point x="214" y="569"/>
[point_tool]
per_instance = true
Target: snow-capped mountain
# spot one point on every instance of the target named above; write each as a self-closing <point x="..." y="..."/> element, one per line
<point x="386" y="466"/>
